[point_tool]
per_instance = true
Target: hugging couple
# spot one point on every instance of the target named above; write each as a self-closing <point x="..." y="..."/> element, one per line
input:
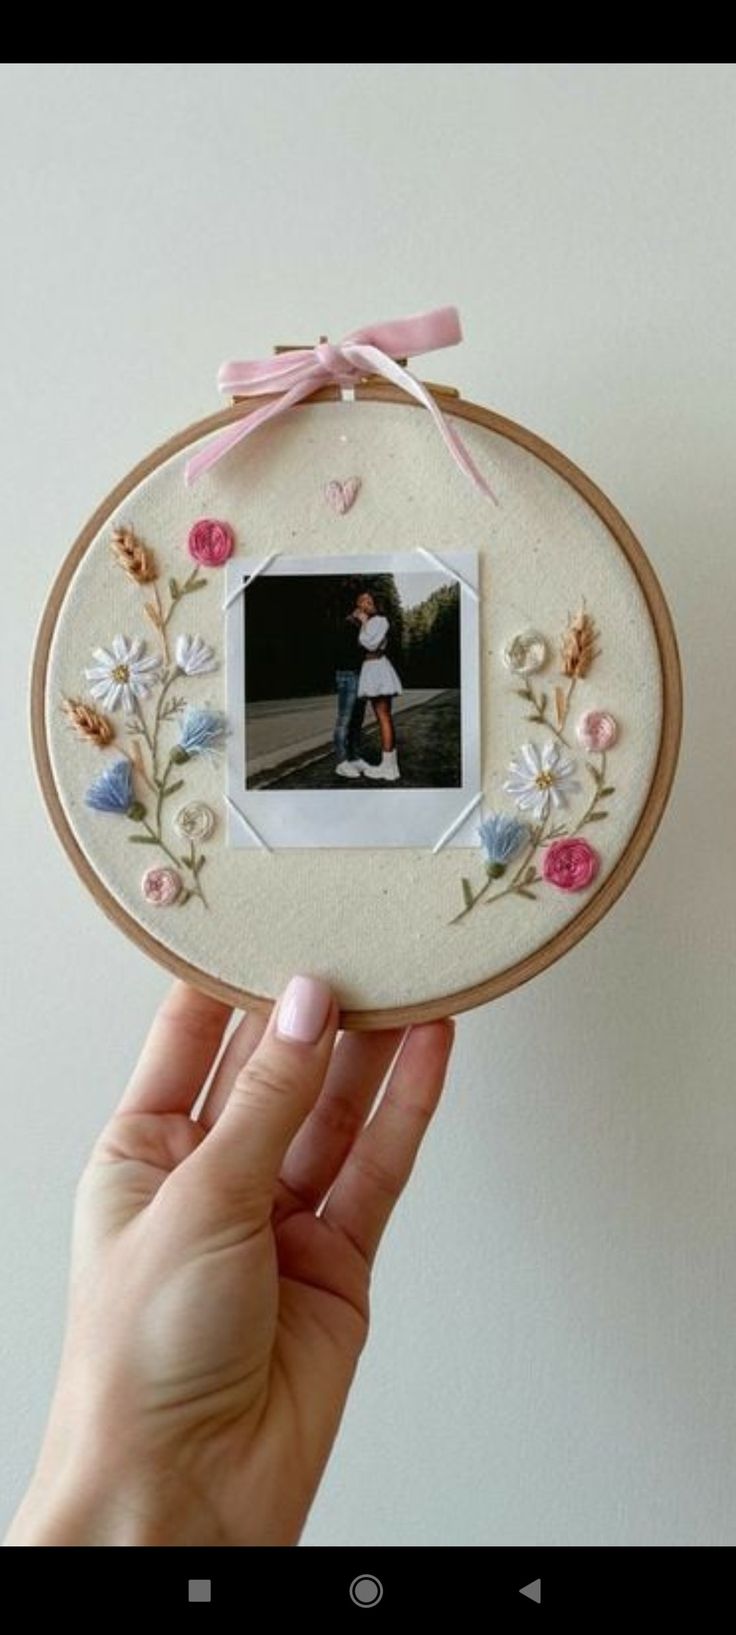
<point x="363" y="672"/>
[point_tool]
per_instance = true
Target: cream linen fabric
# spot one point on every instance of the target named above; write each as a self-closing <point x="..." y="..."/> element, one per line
<point x="541" y="551"/>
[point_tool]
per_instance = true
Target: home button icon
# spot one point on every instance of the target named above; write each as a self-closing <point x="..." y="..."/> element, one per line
<point x="366" y="1590"/>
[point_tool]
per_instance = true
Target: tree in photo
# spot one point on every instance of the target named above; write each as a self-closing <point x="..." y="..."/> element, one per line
<point x="291" y="622"/>
<point x="431" y="646"/>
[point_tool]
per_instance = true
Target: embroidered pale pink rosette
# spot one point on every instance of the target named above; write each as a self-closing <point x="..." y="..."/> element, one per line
<point x="577" y="753"/>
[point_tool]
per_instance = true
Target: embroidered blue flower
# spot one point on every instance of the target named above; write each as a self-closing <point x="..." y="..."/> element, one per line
<point x="501" y="838"/>
<point x="202" y="731"/>
<point x="113" y="790"/>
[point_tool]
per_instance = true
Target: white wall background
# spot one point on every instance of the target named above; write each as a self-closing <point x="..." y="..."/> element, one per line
<point x="555" y="1313"/>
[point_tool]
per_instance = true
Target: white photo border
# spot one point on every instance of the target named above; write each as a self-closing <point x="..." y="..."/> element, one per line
<point x="305" y="819"/>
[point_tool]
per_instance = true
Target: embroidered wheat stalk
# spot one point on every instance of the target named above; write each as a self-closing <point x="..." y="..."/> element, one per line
<point x="134" y="557"/>
<point x="578" y="645"/>
<point x="88" y="722"/>
<point x="577" y="652"/>
<point x="139" y="563"/>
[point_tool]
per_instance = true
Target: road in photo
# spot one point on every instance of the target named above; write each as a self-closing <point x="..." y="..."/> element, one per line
<point x="427" y="733"/>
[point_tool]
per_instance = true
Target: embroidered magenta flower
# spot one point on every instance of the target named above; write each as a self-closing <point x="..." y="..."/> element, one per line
<point x="596" y="729"/>
<point x="161" y="886"/>
<point x="570" y="864"/>
<point x="210" y="542"/>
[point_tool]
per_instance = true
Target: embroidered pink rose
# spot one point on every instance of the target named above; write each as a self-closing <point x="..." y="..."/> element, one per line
<point x="210" y="542"/>
<point x="161" y="886"/>
<point x="570" y="864"/>
<point x="596" y="729"/>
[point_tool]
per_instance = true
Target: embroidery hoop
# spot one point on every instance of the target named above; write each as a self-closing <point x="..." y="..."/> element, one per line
<point x="626" y="863"/>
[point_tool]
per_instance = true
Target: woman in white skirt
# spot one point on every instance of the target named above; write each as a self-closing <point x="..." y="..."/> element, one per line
<point x="379" y="682"/>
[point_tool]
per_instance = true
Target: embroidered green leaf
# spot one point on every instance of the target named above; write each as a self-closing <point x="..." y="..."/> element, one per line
<point x="197" y="584"/>
<point x="173" y="707"/>
<point x="531" y="874"/>
<point x="538" y="718"/>
<point x="594" y="773"/>
<point x="174" y="589"/>
<point x="184" y="898"/>
<point x="521" y="891"/>
<point x="467" y="892"/>
<point x="199" y="865"/>
<point x="610" y="789"/>
<point x="142" y="840"/>
<point x="522" y="692"/>
<point x="173" y="788"/>
<point x="597" y="817"/>
<point x="542" y="703"/>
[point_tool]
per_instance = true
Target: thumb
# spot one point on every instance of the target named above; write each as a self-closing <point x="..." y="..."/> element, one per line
<point x="272" y="1095"/>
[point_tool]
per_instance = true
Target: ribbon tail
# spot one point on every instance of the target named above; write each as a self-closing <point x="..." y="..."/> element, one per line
<point x="461" y="452"/>
<point x="228" y="439"/>
<point x="261" y="377"/>
<point x="408" y="337"/>
<point x="378" y="363"/>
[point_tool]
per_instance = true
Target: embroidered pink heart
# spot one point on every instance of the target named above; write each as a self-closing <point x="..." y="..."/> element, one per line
<point x="342" y="495"/>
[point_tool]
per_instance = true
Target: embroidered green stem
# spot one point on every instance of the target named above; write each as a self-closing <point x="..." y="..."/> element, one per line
<point x="472" y="898"/>
<point x="161" y="623"/>
<point x="524" y="875"/>
<point x="164" y="789"/>
<point x="176" y="591"/>
<point x="161" y="783"/>
<point x="135" y="757"/>
<point x="522" y="878"/>
<point x="192" y="862"/>
<point x="143" y="724"/>
<point x="157" y="721"/>
<point x="601" y="790"/>
<point x="155" y="610"/>
<point x="195" y="862"/>
<point x="539" y="703"/>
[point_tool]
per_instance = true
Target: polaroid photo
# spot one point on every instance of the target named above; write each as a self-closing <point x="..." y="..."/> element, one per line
<point x="353" y="700"/>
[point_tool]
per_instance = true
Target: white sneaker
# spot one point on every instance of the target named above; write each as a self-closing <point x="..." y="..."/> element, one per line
<point x="387" y="769"/>
<point x="347" y="769"/>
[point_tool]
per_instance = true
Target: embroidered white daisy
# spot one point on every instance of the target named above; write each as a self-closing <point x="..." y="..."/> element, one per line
<point x="542" y="778"/>
<point x="194" y="657"/>
<point x="123" y="674"/>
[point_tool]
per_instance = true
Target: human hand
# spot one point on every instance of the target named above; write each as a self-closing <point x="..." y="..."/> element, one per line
<point x="215" y="1318"/>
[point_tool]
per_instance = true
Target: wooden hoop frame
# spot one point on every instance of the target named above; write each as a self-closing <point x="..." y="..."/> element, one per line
<point x="630" y="858"/>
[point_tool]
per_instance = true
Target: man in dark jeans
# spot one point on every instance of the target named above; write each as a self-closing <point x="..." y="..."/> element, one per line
<point x="350" y="709"/>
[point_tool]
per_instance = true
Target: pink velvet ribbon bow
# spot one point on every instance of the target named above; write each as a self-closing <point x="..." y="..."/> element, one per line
<point x="292" y="376"/>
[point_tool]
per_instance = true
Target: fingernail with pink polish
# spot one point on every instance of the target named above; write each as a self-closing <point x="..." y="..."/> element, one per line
<point x="303" y="1010"/>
